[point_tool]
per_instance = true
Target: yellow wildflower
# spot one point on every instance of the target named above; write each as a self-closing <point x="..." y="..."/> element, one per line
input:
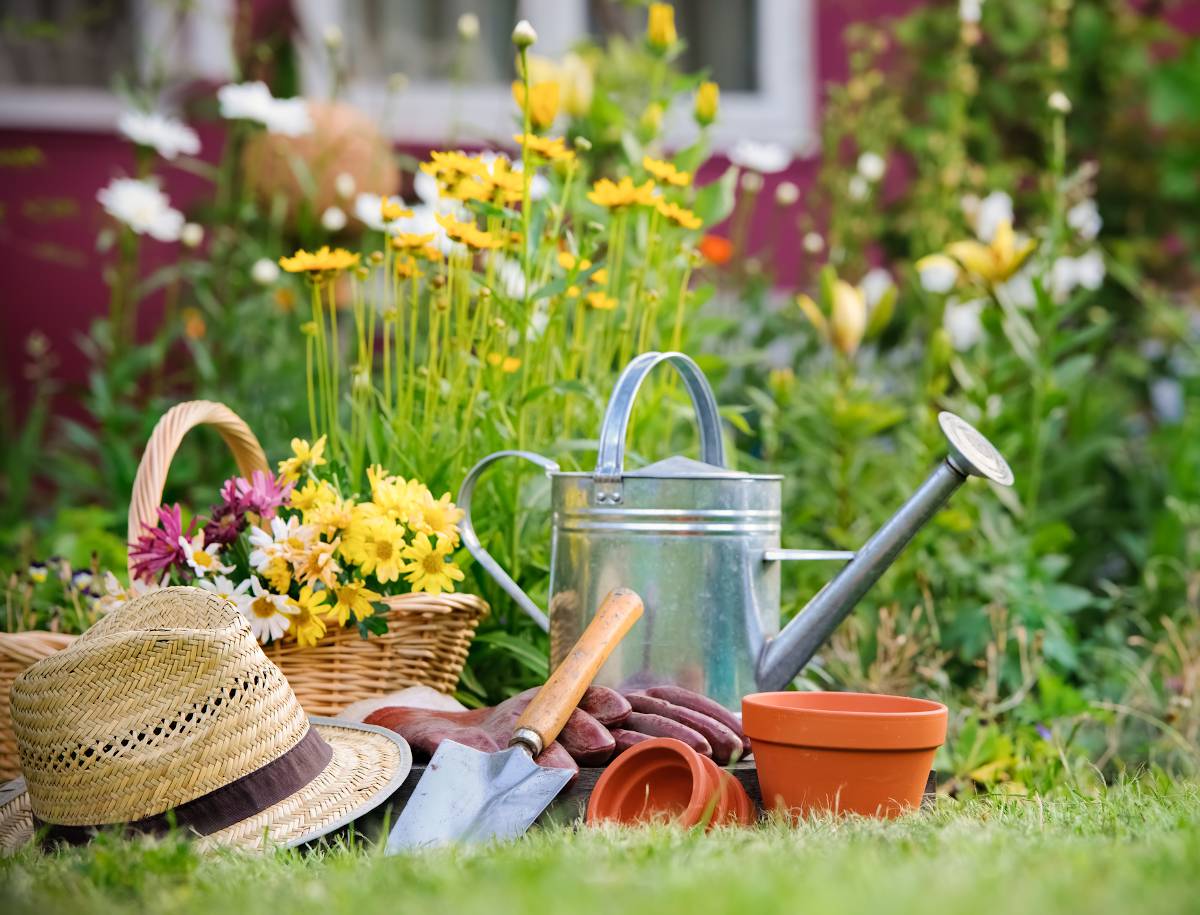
<point x="569" y="261"/>
<point x="312" y="494"/>
<point x="390" y="211"/>
<point x="428" y="569"/>
<point x="319" y="261"/>
<point x="600" y="277"/>
<point x="666" y="171"/>
<point x="403" y="240"/>
<point x="278" y="573"/>
<point x="506" y="364"/>
<point x="306" y="621"/>
<point x="428" y="253"/>
<point x="352" y="598"/>
<point x="441" y="516"/>
<point x="304" y="457"/>
<point x="551" y="148"/>
<point x="707" y="103"/>
<point x="607" y="193"/>
<point x="994" y="262"/>
<point x="446" y="162"/>
<point x="600" y="300"/>
<point x="406" y="267"/>
<point x="660" y="26"/>
<point x="331" y="518"/>
<point x="374" y="543"/>
<point x="543" y="102"/>
<point x="316" y="563"/>
<point x="679" y="215"/>
<point x="467" y="232"/>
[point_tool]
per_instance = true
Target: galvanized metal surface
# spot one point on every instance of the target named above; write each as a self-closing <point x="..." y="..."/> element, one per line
<point x="466" y="795"/>
<point x="701" y="544"/>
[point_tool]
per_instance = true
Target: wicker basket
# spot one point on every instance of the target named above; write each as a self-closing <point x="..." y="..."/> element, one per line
<point x="428" y="635"/>
<point x="17" y="651"/>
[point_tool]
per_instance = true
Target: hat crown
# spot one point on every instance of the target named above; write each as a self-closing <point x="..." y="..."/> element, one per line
<point x="166" y="699"/>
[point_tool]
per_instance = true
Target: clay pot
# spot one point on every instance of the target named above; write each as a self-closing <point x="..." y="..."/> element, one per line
<point x="665" y="779"/>
<point x="303" y="170"/>
<point x="843" y="752"/>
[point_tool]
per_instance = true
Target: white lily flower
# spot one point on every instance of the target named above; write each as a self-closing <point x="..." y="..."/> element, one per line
<point x="764" y="158"/>
<point x="1084" y="218"/>
<point x="165" y="135"/>
<point x="143" y="207"/>
<point x="963" y="323"/>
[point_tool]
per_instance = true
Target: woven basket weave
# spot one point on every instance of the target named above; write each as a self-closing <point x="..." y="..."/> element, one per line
<point x="428" y="635"/>
<point x="17" y="651"/>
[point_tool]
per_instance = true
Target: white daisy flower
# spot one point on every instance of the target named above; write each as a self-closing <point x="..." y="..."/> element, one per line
<point x="224" y="588"/>
<point x="267" y="612"/>
<point x="254" y="102"/>
<point x="167" y="136"/>
<point x="764" y="158"/>
<point x="203" y="559"/>
<point x="1084" y="218"/>
<point x="117" y="595"/>
<point x="286" y="538"/>
<point x="143" y="207"/>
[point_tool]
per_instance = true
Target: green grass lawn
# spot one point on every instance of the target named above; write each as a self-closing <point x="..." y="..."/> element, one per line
<point x="1131" y="850"/>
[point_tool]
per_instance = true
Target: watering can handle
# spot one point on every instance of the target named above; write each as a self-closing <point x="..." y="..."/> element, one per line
<point x="470" y="539"/>
<point x="610" y="462"/>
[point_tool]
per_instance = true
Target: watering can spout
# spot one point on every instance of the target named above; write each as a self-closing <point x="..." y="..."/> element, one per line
<point x="970" y="454"/>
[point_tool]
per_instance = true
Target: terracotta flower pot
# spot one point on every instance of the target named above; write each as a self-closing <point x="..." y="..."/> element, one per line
<point x="663" y="778"/>
<point x="843" y="752"/>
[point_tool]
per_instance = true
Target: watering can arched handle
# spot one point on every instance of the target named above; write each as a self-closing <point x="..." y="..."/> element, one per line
<point x="610" y="461"/>
<point x="470" y="539"/>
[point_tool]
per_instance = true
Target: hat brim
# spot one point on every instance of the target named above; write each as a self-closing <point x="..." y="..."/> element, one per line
<point x="368" y="766"/>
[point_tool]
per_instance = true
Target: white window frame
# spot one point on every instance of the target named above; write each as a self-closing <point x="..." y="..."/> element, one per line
<point x="202" y="49"/>
<point x="782" y="110"/>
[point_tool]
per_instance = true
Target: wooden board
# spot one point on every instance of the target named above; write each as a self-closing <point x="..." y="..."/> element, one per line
<point x="572" y="803"/>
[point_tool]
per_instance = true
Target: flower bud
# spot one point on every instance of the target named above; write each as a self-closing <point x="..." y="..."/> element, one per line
<point x="848" y="323"/>
<point x="333" y="37"/>
<point x="523" y="35"/>
<point x="468" y="26"/>
<point x="344" y="185"/>
<point x="1059" y="102"/>
<point x="813" y="243"/>
<point x="786" y="193"/>
<point x="707" y="103"/>
<point x="660" y="26"/>
<point x="191" y="235"/>
<point x="333" y="219"/>
<point x="264" y="272"/>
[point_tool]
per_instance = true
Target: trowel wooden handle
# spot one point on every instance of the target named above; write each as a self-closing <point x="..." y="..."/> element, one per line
<point x="545" y="716"/>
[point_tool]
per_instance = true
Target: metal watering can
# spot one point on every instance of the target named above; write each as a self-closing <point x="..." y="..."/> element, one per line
<point x="701" y="544"/>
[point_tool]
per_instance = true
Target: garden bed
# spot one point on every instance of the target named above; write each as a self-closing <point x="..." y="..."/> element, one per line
<point x="1130" y="849"/>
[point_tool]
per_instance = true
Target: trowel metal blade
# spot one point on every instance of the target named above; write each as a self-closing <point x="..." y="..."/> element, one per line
<point x="467" y="795"/>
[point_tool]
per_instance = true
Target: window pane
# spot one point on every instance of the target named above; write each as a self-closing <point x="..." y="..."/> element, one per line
<point x="720" y="35"/>
<point x="420" y="39"/>
<point x="65" y="42"/>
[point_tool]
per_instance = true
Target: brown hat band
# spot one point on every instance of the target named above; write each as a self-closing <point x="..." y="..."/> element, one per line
<point x="239" y="800"/>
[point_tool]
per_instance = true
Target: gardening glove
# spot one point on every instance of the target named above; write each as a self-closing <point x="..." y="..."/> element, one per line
<point x="672" y="711"/>
<point x="584" y="740"/>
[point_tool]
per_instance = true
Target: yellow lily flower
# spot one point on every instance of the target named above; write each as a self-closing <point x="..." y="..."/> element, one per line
<point x="994" y="262"/>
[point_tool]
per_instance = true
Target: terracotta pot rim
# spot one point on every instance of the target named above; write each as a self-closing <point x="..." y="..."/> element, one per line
<point x="613" y="785"/>
<point x="921" y="708"/>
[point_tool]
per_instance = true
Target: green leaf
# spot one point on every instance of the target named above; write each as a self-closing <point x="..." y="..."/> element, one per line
<point x="714" y="202"/>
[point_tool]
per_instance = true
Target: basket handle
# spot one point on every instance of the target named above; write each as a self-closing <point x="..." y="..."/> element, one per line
<point x="164" y="441"/>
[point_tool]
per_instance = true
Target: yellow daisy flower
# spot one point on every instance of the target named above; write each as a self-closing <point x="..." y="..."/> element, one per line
<point x="506" y="364"/>
<point x="374" y="543"/>
<point x="441" y="516"/>
<point x="552" y="148"/>
<point x="352" y="598"/>
<point x="319" y="261"/>
<point x="313" y="494"/>
<point x="467" y="232"/>
<point x="406" y="268"/>
<point x="304" y="457"/>
<point x="403" y="240"/>
<point x="315" y="563"/>
<point x="679" y="215"/>
<point x="666" y="172"/>
<point x="390" y="211"/>
<point x="429" y="570"/>
<point x="307" y="610"/>
<point x="601" y="300"/>
<point x="607" y="193"/>
<point x="331" y="518"/>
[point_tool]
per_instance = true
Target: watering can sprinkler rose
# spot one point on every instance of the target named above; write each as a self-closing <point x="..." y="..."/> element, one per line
<point x="700" y="543"/>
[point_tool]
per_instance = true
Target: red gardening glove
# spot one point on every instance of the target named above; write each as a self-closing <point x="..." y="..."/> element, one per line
<point x="672" y="711"/>
<point x="584" y="740"/>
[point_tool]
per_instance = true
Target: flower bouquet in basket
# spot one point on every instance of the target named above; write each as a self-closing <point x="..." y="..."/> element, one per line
<point x="298" y="555"/>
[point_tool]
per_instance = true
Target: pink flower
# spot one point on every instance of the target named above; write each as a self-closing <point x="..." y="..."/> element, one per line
<point x="158" y="548"/>
<point x="261" y="495"/>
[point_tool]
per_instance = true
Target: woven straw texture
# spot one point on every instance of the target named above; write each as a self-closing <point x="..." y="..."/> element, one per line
<point x="17" y="651"/>
<point x="165" y="700"/>
<point x="428" y="635"/>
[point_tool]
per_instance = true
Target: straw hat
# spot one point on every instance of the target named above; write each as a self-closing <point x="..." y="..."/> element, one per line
<point x="169" y="704"/>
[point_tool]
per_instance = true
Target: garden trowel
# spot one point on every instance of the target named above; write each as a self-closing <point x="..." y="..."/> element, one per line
<point x="467" y="795"/>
